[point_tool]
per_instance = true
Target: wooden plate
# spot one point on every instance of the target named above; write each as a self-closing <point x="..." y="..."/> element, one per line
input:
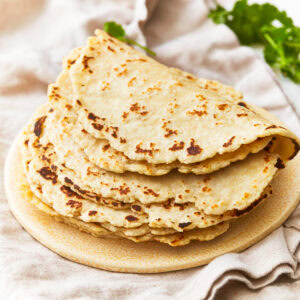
<point x="150" y="257"/>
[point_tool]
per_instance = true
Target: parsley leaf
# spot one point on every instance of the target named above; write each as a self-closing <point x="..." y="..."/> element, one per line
<point x="256" y="24"/>
<point x="116" y="30"/>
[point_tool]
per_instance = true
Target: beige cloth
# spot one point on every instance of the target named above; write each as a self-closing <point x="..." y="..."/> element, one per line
<point x="34" y="35"/>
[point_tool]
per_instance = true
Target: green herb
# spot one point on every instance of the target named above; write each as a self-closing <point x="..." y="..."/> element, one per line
<point x="117" y="31"/>
<point x="256" y="24"/>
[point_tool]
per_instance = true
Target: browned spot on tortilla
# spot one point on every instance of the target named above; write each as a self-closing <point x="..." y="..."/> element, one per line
<point x="92" y="212"/>
<point x="229" y="143"/>
<point x="122" y="140"/>
<point x="74" y="204"/>
<point x="26" y="142"/>
<point x="238" y="213"/>
<point x="297" y="148"/>
<point x="85" y="62"/>
<point x="272" y="126"/>
<point x="68" y="106"/>
<point x="84" y="131"/>
<point x="222" y="106"/>
<point x="123" y="190"/>
<point x="38" y="126"/>
<point x="125" y="115"/>
<point x="242" y="115"/>
<point x="141" y="150"/>
<point x="267" y="158"/>
<point x="206" y="189"/>
<point x="183" y="225"/>
<point x="193" y="149"/>
<point x="131" y="218"/>
<point x="279" y="164"/>
<point x="46" y="173"/>
<point x="199" y="113"/>
<point x="265" y="170"/>
<point x="111" y="49"/>
<point x="170" y="132"/>
<point x="68" y="180"/>
<point x="177" y="146"/>
<point x="150" y="192"/>
<point x="97" y="126"/>
<point x="93" y="117"/>
<point x="69" y="192"/>
<point x="105" y="147"/>
<point x="78" y="102"/>
<point x="136" y="207"/>
<point x="243" y="104"/>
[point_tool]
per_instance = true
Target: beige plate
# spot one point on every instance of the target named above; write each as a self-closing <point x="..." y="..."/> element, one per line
<point x="150" y="257"/>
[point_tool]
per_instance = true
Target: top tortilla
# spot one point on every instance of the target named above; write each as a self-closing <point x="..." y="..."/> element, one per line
<point x="151" y="112"/>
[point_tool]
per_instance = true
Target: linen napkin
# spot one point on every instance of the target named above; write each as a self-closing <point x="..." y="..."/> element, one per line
<point x="34" y="36"/>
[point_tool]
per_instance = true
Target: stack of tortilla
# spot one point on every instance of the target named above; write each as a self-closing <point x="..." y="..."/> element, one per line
<point x="129" y="148"/>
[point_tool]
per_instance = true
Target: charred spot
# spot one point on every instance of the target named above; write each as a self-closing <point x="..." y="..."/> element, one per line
<point x="111" y="49"/>
<point x="46" y="173"/>
<point x="136" y="207"/>
<point x="123" y="190"/>
<point x="222" y="106"/>
<point x="131" y="218"/>
<point x="122" y="140"/>
<point x="206" y="189"/>
<point x="279" y="164"/>
<point x="125" y="115"/>
<point x="84" y="131"/>
<point x="78" y="102"/>
<point x="183" y="225"/>
<point x="38" y="126"/>
<point x="141" y="150"/>
<point x="150" y="192"/>
<point x="199" y="113"/>
<point x="272" y="126"/>
<point x="177" y="146"/>
<point x="92" y="212"/>
<point x="105" y="147"/>
<point x="243" y="104"/>
<point x="229" y="143"/>
<point x="114" y="132"/>
<point x="85" y="62"/>
<point x="297" y="148"/>
<point x="53" y="168"/>
<point x="206" y="178"/>
<point x="26" y="142"/>
<point x="74" y="204"/>
<point x="68" y="180"/>
<point x="180" y="205"/>
<point x="69" y="192"/>
<point x="45" y="158"/>
<point x="170" y="132"/>
<point x="97" y="126"/>
<point x="242" y="115"/>
<point x="238" y="213"/>
<point x="193" y="149"/>
<point x="68" y="106"/>
<point x="93" y="117"/>
<point x="167" y="204"/>
<point x="51" y="110"/>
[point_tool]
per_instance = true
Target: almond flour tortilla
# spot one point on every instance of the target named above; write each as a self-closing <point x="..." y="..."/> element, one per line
<point x="213" y="193"/>
<point x="163" y="116"/>
<point x="173" y="239"/>
<point x="50" y="186"/>
<point x="100" y="152"/>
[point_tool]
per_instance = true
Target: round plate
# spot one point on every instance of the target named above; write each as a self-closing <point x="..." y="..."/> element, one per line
<point x="150" y="257"/>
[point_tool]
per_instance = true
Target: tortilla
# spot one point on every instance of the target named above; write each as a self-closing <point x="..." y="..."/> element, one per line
<point x="169" y="117"/>
<point x="215" y="193"/>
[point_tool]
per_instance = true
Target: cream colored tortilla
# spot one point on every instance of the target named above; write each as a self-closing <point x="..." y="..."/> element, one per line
<point x="161" y="235"/>
<point x="50" y="187"/>
<point x="215" y="194"/>
<point x="102" y="154"/>
<point x="159" y="98"/>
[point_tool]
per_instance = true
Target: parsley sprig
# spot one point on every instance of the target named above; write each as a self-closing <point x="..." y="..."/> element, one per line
<point x="265" y="24"/>
<point x="116" y="30"/>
